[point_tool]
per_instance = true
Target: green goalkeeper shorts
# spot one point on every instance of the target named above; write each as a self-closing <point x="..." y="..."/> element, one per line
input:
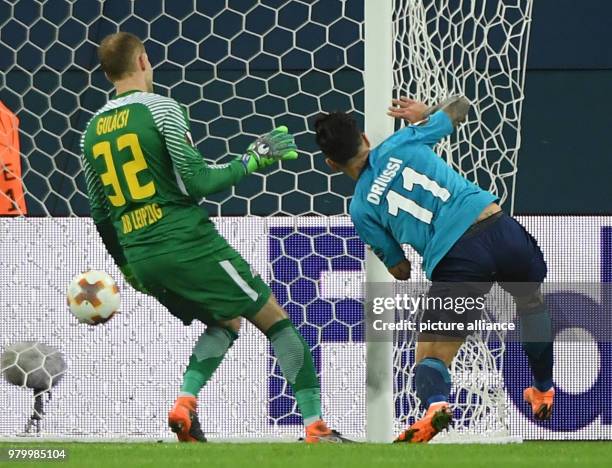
<point x="209" y="287"/>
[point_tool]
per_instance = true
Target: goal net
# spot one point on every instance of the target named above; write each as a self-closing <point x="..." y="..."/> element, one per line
<point x="241" y="67"/>
<point x="477" y="48"/>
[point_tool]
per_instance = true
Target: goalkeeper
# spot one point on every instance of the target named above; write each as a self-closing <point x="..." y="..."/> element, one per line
<point x="144" y="178"/>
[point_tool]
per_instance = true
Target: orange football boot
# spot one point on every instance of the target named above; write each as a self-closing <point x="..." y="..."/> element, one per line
<point x="319" y="432"/>
<point x="541" y="402"/>
<point x="183" y="420"/>
<point x="437" y="418"/>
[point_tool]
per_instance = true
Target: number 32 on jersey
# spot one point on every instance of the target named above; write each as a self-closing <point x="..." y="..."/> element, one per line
<point x="130" y="169"/>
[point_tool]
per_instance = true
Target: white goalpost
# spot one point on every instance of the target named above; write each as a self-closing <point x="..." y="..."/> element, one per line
<point x="378" y="89"/>
<point x="241" y="68"/>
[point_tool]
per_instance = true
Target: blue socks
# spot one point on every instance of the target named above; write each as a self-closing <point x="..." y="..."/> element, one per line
<point x="536" y="339"/>
<point x="432" y="381"/>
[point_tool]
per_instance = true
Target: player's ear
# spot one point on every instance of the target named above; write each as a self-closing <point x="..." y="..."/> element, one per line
<point x="332" y="165"/>
<point x="142" y="61"/>
<point x="365" y="139"/>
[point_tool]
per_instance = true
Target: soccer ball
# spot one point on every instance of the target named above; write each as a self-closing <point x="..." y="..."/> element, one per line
<point x="93" y="297"/>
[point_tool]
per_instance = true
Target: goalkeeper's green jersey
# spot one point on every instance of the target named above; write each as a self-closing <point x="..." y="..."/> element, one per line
<point x="144" y="173"/>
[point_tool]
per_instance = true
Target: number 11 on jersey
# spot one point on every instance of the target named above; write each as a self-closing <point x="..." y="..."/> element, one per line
<point x="399" y="202"/>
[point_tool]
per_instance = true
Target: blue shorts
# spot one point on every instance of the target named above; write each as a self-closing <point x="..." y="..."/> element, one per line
<point x="497" y="249"/>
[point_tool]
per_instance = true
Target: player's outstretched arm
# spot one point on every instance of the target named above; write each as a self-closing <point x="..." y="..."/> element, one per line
<point x="456" y="107"/>
<point x="408" y="109"/>
<point x="428" y="125"/>
<point x="414" y="112"/>
<point x="201" y="179"/>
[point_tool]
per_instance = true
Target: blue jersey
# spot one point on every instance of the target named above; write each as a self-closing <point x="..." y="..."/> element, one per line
<point x="407" y="194"/>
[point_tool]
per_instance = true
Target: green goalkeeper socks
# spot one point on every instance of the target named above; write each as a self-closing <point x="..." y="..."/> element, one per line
<point x="208" y="353"/>
<point x="293" y="356"/>
<point x="309" y="402"/>
<point x="295" y="360"/>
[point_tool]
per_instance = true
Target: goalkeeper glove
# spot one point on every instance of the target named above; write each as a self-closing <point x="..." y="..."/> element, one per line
<point x="278" y="145"/>
<point x="132" y="280"/>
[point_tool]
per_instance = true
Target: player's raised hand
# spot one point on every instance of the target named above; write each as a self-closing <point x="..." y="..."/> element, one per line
<point x="278" y="145"/>
<point x="407" y="109"/>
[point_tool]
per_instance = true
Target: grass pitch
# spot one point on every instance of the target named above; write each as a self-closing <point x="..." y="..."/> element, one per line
<point x="287" y="455"/>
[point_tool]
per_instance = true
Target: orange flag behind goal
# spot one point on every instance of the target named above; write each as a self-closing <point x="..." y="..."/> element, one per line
<point x="12" y="201"/>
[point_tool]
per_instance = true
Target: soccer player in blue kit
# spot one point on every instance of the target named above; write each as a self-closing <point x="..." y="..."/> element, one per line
<point x="406" y="194"/>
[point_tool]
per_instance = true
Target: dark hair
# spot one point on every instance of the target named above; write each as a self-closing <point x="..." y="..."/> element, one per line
<point x="338" y="136"/>
<point x="116" y="53"/>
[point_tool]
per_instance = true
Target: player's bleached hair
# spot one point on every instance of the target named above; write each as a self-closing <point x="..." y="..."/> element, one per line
<point x="338" y="136"/>
<point x="116" y="53"/>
